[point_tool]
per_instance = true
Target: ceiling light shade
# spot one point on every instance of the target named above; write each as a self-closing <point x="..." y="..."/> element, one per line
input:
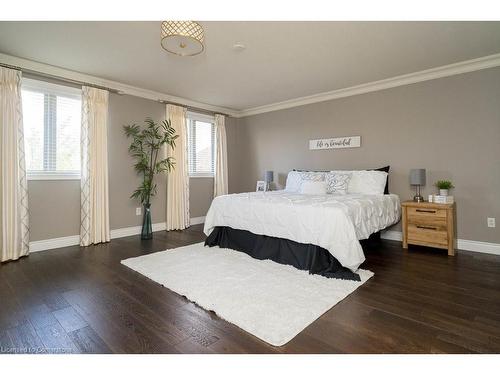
<point x="183" y="38"/>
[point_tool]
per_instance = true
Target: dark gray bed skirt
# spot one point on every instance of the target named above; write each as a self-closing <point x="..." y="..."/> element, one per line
<point x="308" y="257"/>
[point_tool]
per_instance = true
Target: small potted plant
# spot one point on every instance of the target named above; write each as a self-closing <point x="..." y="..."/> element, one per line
<point x="444" y="186"/>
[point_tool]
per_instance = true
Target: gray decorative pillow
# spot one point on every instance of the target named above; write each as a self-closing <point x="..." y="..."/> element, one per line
<point x="312" y="176"/>
<point x="337" y="183"/>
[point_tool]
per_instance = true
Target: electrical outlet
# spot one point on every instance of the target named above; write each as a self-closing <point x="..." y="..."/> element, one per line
<point x="491" y="222"/>
<point x="138" y="211"/>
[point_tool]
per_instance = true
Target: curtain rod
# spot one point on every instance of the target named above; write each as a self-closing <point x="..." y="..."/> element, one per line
<point x="46" y="75"/>
<point x="194" y="109"/>
<point x="10" y="66"/>
<point x="34" y="72"/>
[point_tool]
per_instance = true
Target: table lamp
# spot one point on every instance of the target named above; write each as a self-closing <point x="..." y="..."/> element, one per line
<point x="417" y="178"/>
<point x="269" y="177"/>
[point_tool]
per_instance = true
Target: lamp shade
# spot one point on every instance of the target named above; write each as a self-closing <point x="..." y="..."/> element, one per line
<point x="269" y="177"/>
<point x="417" y="177"/>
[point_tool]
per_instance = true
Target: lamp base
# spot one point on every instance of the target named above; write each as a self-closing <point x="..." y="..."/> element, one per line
<point x="418" y="198"/>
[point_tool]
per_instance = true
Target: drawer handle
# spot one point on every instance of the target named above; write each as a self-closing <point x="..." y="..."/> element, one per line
<point x="428" y="211"/>
<point x="426" y="227"/>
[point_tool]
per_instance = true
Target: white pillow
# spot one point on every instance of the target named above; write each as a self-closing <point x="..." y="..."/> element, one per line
<point x="293" y="182"/>
<point x="337" y="183"/>
<point x="367" y="182"/>
<point x="313" y="187"/>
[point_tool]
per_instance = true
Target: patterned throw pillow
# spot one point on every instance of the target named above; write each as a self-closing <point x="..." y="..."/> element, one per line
<point x="295" y="178"/>
<point x="337" y="183"/>
<point x="312" y="176"/>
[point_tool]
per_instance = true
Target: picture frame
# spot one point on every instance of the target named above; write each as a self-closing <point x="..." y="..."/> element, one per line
<point x="261" y="186"/>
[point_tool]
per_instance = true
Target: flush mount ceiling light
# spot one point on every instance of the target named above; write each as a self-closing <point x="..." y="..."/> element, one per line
<point x="183" y="38"/>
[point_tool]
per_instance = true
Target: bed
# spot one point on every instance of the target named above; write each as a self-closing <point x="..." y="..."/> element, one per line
<point x="315" y="232"/>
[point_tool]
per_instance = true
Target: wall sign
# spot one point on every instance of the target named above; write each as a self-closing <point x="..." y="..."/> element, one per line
<point x="329" y="143"/>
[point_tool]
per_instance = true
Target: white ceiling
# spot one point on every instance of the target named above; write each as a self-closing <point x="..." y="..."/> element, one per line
<point x="282" y="60"/>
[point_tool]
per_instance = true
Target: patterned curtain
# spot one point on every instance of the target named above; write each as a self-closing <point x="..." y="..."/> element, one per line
<point x="14" y="223"/>
<point x="94" y="180"/>
<point x="220" y="180"/>
<point x="178" y="179"/>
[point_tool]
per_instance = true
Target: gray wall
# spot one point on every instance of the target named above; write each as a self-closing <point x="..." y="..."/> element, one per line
<point x="54" y="208"/>
<point x="450" y="126"/>
<point x="125" y="110"/>
<point x="55" y="205"/>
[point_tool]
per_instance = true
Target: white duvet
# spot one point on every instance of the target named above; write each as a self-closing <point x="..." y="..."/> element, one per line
<point x="334" y="222"/>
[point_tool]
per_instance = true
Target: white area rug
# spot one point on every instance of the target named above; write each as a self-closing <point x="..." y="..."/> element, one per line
<point x="272" y="301"/>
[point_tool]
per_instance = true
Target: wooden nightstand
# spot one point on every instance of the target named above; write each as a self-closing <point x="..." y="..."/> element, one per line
<point x="429" y="224"/>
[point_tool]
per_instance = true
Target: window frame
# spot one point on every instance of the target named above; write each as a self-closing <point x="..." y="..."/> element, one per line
<point x="34" y="85"/>
<point x="195" y="116"/>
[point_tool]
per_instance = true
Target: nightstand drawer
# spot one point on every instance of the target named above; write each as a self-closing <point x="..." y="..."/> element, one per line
<point x="426" y="233"/>
<point x="435" y="219"/>
<point x="426" y="212"/>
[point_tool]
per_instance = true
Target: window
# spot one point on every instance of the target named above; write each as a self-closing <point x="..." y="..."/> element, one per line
<point x="52" y="120"/>
<point x="201" y="145"/>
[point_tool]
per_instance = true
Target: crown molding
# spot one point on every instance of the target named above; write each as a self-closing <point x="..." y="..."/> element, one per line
<point x="467" y="66"/>
<point x="122" y="88"/>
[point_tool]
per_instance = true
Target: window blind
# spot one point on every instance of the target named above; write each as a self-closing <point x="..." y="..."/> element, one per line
<point x="52" y="121"/>
<point x="201" y="145"/>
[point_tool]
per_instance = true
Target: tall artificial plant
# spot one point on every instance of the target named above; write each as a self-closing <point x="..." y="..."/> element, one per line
<point x="147" y="143"/>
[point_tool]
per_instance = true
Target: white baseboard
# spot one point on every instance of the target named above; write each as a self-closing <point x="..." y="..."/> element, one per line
<point x="132" y="231"/>
<point x="477" y="246"/>
<point x="480" y="247"/>
<point x="197" y="220"/>
<point x="55" y="243"/>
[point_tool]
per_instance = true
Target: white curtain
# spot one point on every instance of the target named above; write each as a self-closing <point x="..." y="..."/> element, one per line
<point x="94" y="180"/>
<point x="178" y="179"/>
<point x="14" y="225"/>
<point x="220" y="180"/>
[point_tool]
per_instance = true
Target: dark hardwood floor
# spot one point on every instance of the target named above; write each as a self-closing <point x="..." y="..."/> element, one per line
<point x="82" y="300"/>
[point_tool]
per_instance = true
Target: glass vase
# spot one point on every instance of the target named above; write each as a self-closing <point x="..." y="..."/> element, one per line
<point x="147" y="228"/>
